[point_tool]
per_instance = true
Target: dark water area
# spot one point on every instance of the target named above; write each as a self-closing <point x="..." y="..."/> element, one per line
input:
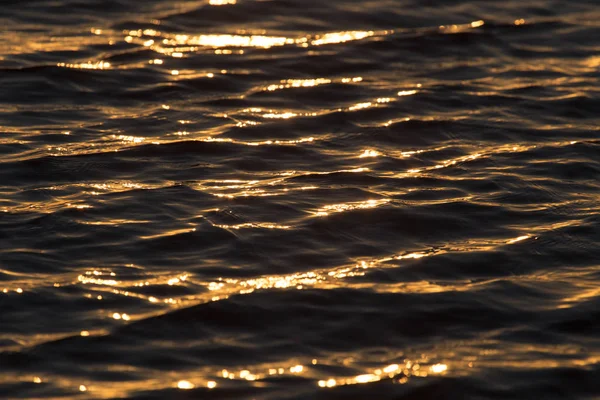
<point x="285" y="199"/>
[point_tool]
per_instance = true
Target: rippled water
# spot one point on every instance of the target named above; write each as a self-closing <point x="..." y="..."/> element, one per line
<point x="386" y="199"/>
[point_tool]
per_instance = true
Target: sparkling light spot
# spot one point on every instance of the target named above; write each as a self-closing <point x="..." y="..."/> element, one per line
<point x="439" y="368"/>
<point x="185" y="385"/>
<point x="296" y="369"/>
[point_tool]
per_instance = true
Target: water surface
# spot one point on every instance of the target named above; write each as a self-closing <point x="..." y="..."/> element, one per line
<point x="384" y="199"/>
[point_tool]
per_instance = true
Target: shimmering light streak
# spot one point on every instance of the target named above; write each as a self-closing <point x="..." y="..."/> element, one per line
<point x="328" y="278"/>
<point x="132" y="139"/>
<point x="409" y="368"/>
<point x="95" y="277"/>
<point x="285" y="115"/>
<point x="370" y="153"/>
<point x="262" y="225"/>
<point x="340" y="37"/>
<point x="260" y="143"/>
<point x="360" y="106"/>
<point x="176" y="45"/>
<point x="86" y="65"/>
<point x="297" y="83"/>
<point x="357" y="205"/>
<point x="406" y="93"/>
<point x="518" y="239"/>
<point x="462" y="27"/>
<point x="228" y="40"/>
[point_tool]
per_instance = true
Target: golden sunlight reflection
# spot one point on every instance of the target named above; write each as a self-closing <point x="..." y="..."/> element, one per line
<point x="225" y="40"/>
<point x="249" y="375"/>
<point x="482" y="153"/>
<point x="94" y="277"/>
<point x="340" y="37"/>
<point x="123" y="316"/>
<point x="443" y="164"/>
<point x="439" y="368"/>
<point x="86" y="65"/>
<point x="260" y="143"/>
<point x="393" y="371"/>
<point x="518" y="239"/>
<point x="462" y="27"/>
<point x="337" y="277"/>
<point x="356" y="205"/>
<point x="299" y="83"/>
<point x="406" y="93"/>
<point x="172" y="232"/>
<point x="324" y="278"/>
<point x="585" y="292"/>
<point x="261" y="225"/>
<point x="369" y="153"/>
<point x="185" y="385"/>
<point x="221" y="2"/>
<point x="272" y="186"/>
<point x="360" y="106"/>
<point x="285" y="115"/>
<point x="176" y="45"/>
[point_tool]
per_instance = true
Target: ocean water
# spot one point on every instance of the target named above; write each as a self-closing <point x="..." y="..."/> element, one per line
<point x="285" y="199"/>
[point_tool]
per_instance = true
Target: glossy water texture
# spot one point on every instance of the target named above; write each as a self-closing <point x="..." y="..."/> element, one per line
<point x="285" y="199"/>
